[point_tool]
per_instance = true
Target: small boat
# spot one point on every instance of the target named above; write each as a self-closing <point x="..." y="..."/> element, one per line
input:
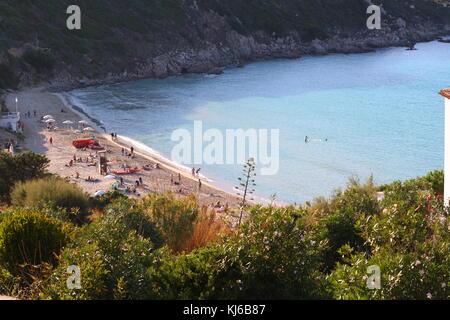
<point x="87" y="143"/>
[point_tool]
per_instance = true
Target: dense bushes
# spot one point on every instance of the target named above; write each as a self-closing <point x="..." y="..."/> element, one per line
<point x="175" y="217"/>
<point x="113" y="261"/>
<point x="40" y="60"/>
<point x="164" y="247"/>
<point x="54" y="191"/>
<point x="271" y="257"/>
<point x="21" y="167"/>
<point x="8" y="79"/>
<point x="28" y="239"/>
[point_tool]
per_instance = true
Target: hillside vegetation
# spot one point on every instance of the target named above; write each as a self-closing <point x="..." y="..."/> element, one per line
<point x="156" y="38"/>
<point x="164" y="247"/>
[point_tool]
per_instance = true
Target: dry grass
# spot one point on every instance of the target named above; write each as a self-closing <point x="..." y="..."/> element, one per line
<point x="207" y="228"/>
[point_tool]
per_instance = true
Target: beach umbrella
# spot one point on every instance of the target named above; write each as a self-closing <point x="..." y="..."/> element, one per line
<point x="48" y="116"/>
<point x="110" y="176"/>
<point x="50" y="120"/>
<point x="100" y="193"/>
<point x="68" y="122"/>
<point x="88" y="129"/>
<point x="82" y="121"/>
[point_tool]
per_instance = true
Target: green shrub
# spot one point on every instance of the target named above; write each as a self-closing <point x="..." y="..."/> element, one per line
<point x="411" y="247"/>
<point x="40" y="60"/>
<point x="93" y="275"/>
<point x="270" y="257"/>
<point x="133" y="218"/>
<point x="30" y="239"/>
<point x="8" y="79"/>
<point x="113" y="261"/>
<point x="188" y="276"/>
<point x="21" y="167"/>
<point x="53" y="190"/>
<point x="102" y="201"/>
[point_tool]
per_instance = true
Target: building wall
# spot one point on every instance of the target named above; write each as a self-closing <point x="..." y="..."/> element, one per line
<point x="447" y="152"/>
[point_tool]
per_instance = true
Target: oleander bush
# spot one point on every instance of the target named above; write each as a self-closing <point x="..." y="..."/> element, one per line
<point x="411" y="248"/>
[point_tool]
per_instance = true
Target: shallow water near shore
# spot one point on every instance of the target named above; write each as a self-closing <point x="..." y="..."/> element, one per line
<point x="380" y="113"/>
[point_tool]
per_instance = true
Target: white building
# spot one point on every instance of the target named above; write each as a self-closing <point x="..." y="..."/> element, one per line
<point x="10" y="120"/>
<point x="446" y="94"/>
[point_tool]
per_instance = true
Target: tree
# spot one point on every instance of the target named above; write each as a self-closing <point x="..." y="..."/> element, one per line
<point x="21" y="167"/>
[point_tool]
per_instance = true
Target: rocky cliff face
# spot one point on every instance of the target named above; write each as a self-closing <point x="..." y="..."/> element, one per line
<point x="126" y="40"/>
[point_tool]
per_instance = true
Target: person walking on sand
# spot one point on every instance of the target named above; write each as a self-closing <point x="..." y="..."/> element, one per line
<point x="193" y="171"/>
<point x="51" y="140"/>
<point x="179" y="177"/>
<point x="131" y="150"/>
<point x="121" y="181"/>
<point x="199" y="184"/>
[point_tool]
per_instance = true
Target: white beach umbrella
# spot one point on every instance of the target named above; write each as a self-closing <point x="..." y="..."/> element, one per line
<point x="100" y="192"/>
<point x="68" y="122"/>
<point x="48" y="116"/>
<point x="110" y="176"/>
<point x="82" y="121"/>
<point x="88" y="129"/>
<point x="50" y="120"/>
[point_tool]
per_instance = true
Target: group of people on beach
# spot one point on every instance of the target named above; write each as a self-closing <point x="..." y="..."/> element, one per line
<point x="28" y="114"/>
<point x="195" y="173"/>
<point x="130" y="154"/>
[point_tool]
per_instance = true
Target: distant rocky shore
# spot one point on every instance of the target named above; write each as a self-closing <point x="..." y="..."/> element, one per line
<point x="213" y="61"/>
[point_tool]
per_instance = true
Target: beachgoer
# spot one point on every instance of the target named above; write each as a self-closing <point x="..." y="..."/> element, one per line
<point x="140" y="180"/>
<point x="179" y="177"/>
<point x="51" y="140"/>
<point x="193" y="171"/>
<point x="121" y="181"/>
<point x="306" y="139"/>
<point x="199" y="184"/>
<point x="132" y="150"/>
<point x="171" y="179"/>
<point x="198" y="170"/>
<point x="34" y="112"/>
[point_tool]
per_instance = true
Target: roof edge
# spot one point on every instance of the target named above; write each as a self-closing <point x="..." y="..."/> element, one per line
<point x="445" y="93"/>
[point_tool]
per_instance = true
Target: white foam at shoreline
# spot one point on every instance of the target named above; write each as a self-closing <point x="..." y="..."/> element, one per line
<point x="70" y="101"/>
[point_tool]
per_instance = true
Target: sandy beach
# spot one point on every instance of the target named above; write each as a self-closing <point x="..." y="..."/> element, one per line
<point x="56" y="144"/>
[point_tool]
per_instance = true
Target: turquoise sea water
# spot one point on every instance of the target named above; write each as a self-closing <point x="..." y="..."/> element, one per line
<point x="379" y="111"/>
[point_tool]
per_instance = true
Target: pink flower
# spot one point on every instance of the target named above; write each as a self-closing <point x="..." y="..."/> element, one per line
<point x="428" y="198"/>
<point x="439" y="196"/>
